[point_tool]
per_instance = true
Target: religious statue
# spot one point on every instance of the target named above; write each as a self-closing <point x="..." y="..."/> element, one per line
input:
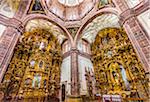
<point x="36" y="81"/>
<point x="118" y="62"/>
<point x="116" y="77"/>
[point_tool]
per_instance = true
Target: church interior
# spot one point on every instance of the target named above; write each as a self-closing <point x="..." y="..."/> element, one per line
<point x="74" y="50"/>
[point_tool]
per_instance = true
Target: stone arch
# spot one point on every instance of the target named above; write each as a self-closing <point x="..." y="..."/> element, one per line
<point x="108" y="10"/>
<point x="46" y="57"/>
<point x="41" y="16"/>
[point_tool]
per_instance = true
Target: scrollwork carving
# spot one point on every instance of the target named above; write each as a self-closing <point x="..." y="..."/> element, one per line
<point x="34" y="70"/>
<point x="115" y="63"/>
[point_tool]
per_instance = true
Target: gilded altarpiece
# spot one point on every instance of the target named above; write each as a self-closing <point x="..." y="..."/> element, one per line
<point x="116" y="65"/>
<point x="34" y="71"/>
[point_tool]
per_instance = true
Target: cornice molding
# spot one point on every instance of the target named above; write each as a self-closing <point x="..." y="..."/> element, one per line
<point x="83" y="54"/>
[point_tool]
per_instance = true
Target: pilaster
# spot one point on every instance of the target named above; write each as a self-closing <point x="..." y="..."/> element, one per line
<point x="74" y="72"/>
<point x="7" y="44"/>
<point x="135" y="33"/>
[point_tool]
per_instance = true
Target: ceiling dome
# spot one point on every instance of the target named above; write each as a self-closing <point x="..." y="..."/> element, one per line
<point x="70" y="10"/>
<point x="70" y="2"/>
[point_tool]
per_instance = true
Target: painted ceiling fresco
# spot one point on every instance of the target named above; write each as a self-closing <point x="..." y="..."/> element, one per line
<point x="99" y="23"/>
<point x="70" y="2"/>
<point x="132" y="3"/>
<point x="9" y="7"/>
<point x="144" y="19"/>
<point x="40" y="23"/>
<point x="68" y="10"/>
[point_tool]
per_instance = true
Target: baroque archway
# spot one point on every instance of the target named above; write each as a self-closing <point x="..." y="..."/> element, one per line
<point x="34" y="70"/>
<point x="116" y="65"/>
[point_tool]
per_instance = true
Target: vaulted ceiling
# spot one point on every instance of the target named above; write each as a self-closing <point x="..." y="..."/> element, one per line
<point x="99" y="23"/>
<point x="9" y="7"/>
<point x="70" y="2"/>
<point x="40" y="23"/>
<point x="71" y="13"/>
<point x="70" y="10"/>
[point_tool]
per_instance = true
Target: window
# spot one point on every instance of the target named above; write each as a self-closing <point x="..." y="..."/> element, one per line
<point x="66" y="47"/>
<point x="84" y="46"/>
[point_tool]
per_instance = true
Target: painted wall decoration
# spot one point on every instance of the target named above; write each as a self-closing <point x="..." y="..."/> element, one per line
<point x="9" y="7"/>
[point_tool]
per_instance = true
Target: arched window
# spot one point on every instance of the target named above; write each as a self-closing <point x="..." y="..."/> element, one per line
<point x="66" y="47"/>
<point x="84" y="46"/>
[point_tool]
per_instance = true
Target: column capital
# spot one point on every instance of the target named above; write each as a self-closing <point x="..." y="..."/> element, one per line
<point x="74" y="50"/>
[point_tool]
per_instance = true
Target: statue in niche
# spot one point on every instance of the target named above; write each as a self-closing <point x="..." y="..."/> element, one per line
<point x="105" y="40"/>
<point x="135" y="71"/>
<point x="102" y="76"/>
<point x="116" y="77"/>
<point x="37" y="44"/>
<point x="41" y="64"/>
<point x="109" y="54"/>
<point x="116" y="85"/>
<point x="36" y="81"/>
<point x="27" y="81"/>
<point x="44" y="83"/>
<point x="124" y="77"/>
<point x="115" y="74"/>
<point x="42" y="46"/>
<point x="32" y="63"/>
<point x="46" y="67"/>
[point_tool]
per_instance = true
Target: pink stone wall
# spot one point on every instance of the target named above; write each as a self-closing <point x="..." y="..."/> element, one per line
<point x="127" y="16"/>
